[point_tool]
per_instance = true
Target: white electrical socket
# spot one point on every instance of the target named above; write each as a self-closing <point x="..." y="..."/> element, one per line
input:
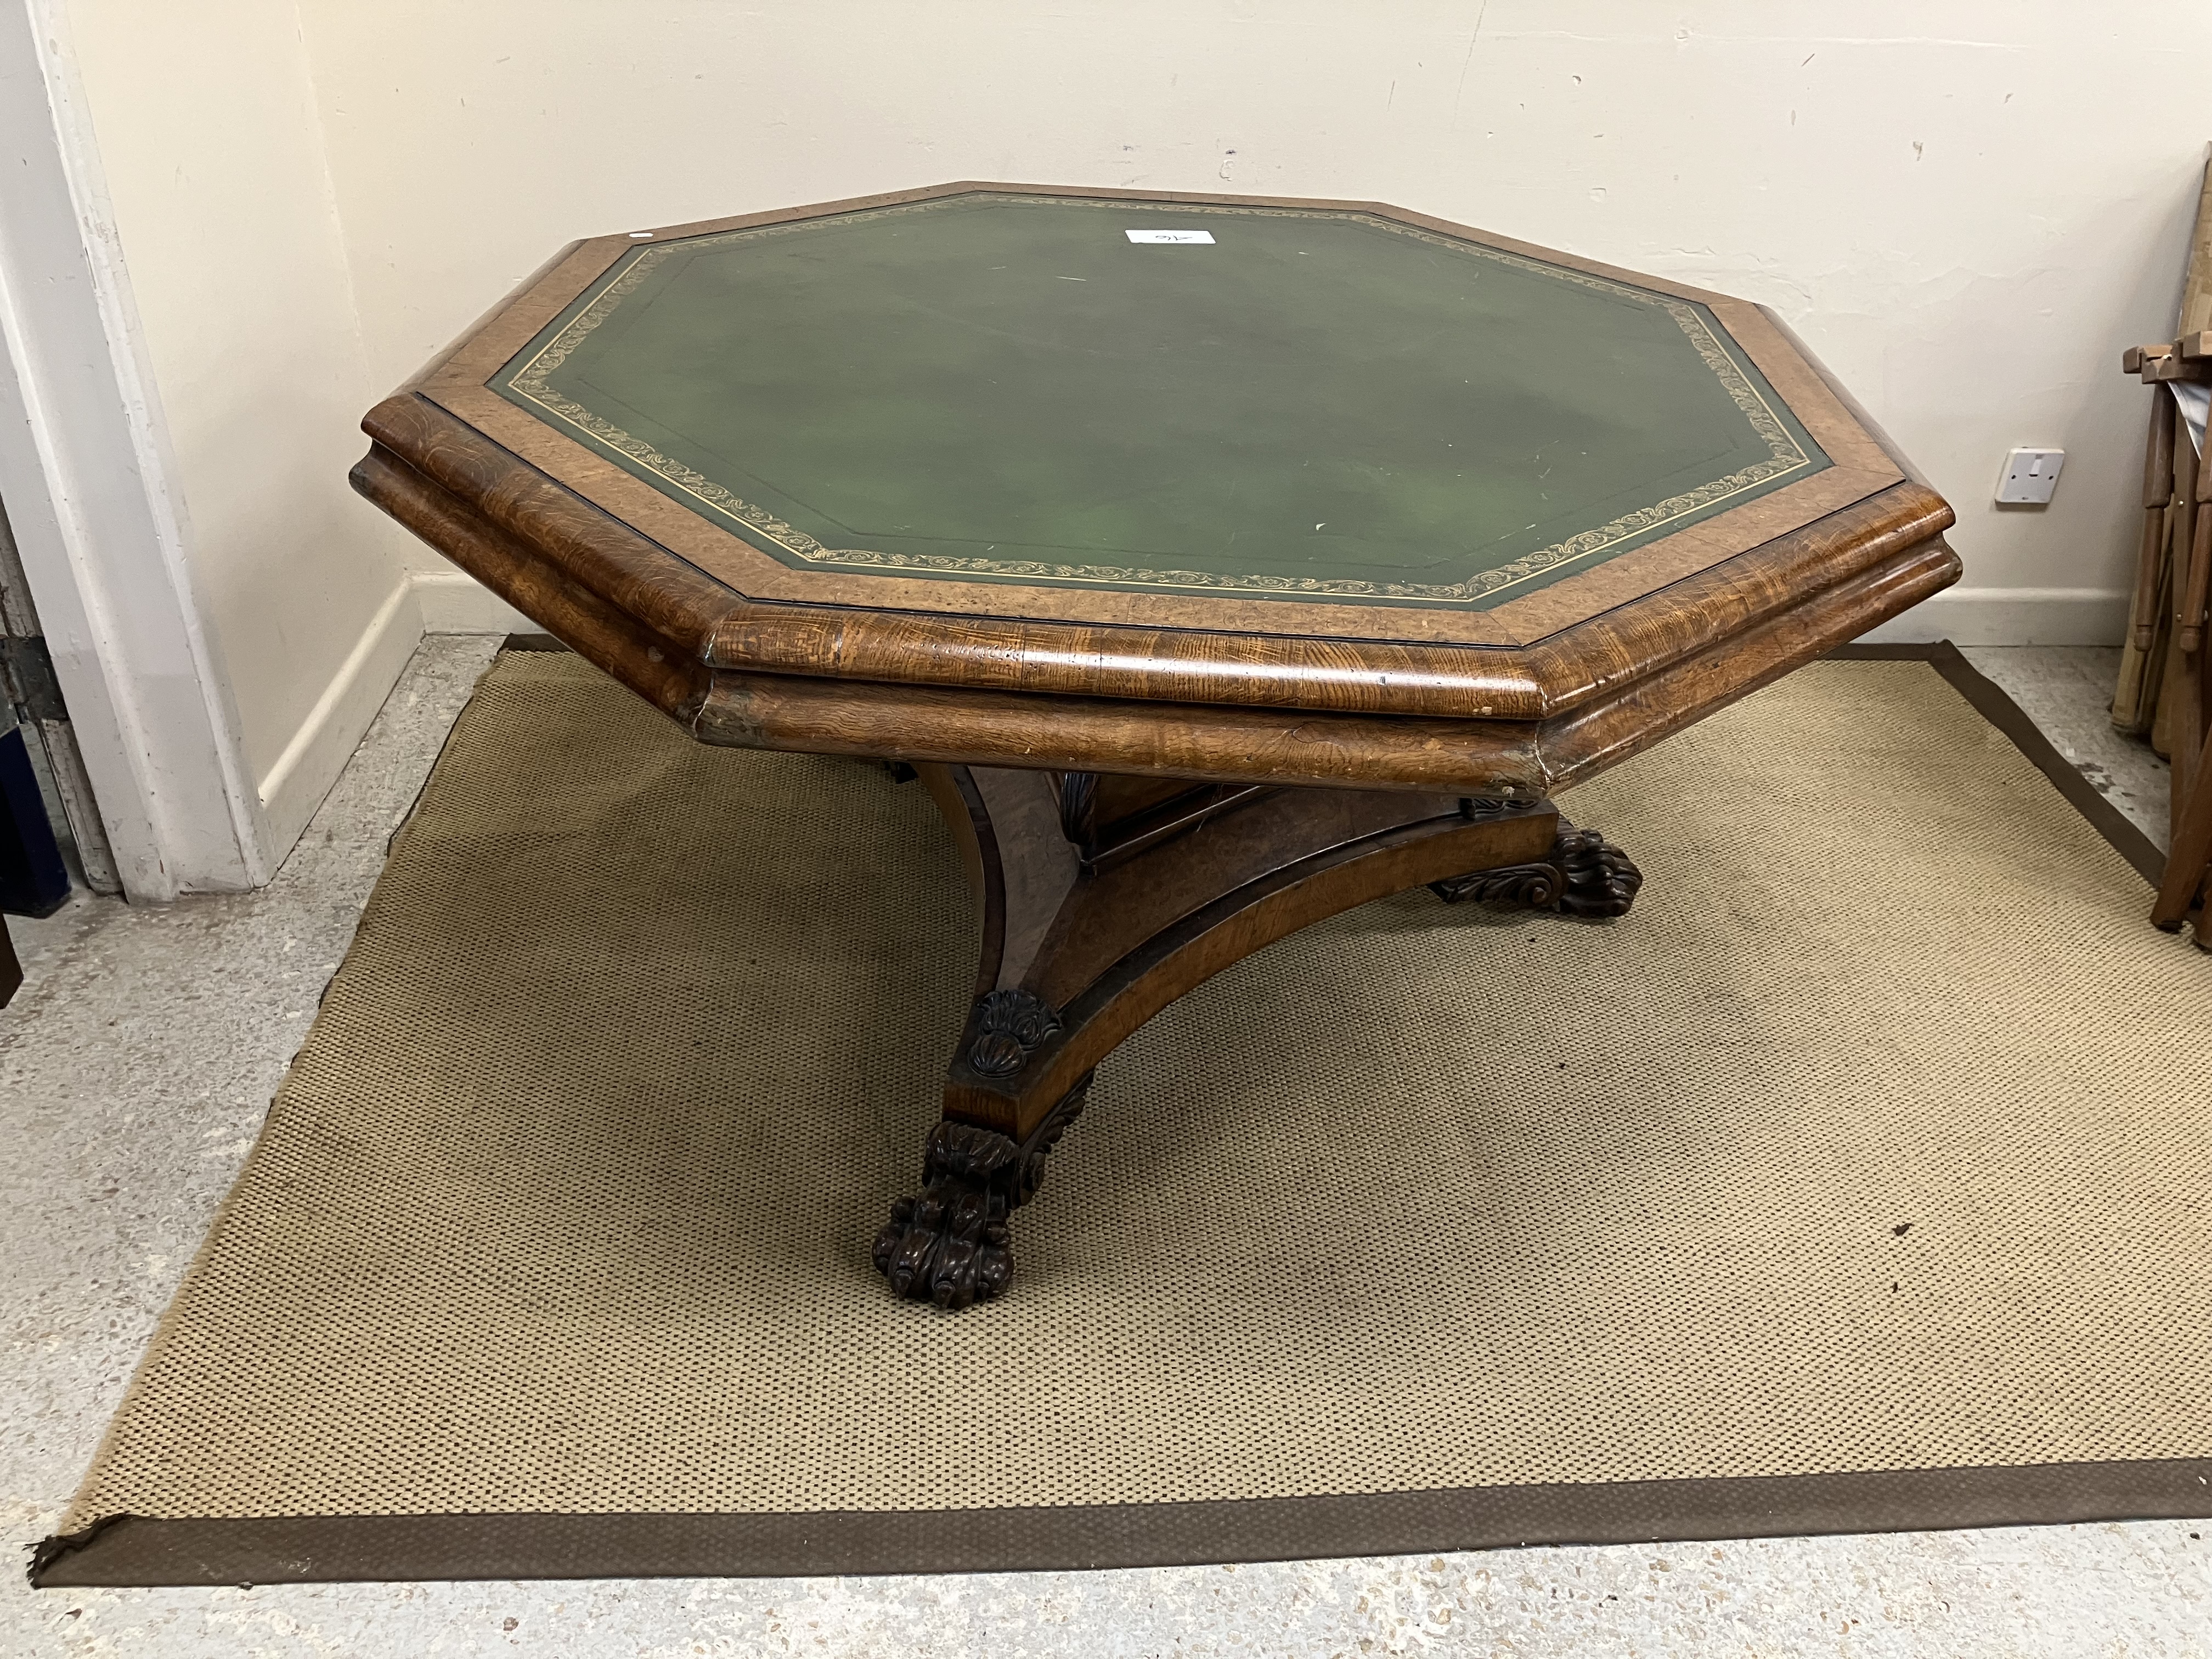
<point x="2030" y="475"/>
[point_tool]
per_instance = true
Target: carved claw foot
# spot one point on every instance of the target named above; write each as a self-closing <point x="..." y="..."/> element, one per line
<point x="1586" y="875"/>
<point x="1602" y="881"/>
<point x="950" y="1245"/>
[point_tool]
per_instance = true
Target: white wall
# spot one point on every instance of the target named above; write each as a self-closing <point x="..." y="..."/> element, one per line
<point x="1966" y="209"/>
<point x="209" y="135"/>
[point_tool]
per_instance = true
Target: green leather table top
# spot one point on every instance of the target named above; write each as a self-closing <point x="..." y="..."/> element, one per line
<point x="1316" y="403"/>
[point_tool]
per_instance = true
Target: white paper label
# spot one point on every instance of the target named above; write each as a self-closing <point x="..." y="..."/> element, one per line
<point x="2196" y="405"/>
<point x="1169" y="236"/>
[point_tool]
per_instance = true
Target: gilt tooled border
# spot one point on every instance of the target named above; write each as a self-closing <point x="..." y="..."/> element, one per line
<point x="1786" y="456"/>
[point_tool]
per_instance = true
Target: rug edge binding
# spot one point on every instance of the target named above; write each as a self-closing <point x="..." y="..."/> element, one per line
<point x="139" y="1552"/>
<point x="148" y="1537"/>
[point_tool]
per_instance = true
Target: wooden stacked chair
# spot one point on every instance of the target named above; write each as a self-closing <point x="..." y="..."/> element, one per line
<point x="2162" y="692"/>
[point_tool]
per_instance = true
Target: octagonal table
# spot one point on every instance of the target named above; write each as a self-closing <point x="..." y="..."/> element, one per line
<point x="1219" y="563"/>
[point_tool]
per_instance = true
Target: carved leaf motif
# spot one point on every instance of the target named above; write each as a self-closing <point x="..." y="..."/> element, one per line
<point x="1484" y="807"/>
<point x="970" y="1153"/>
<point x="950" y="1245"/>
<point x="1586" y="876"/>
<point x="997" y="1054"/>
<point x="1012" y="1022"/>
<point x="1536" y="885"/>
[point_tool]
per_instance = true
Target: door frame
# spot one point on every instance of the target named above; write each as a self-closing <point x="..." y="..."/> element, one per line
<point x="90" y="489"/>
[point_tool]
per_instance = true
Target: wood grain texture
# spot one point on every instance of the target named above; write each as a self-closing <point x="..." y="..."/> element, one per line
<point x="1000" y="728"/>
<point x="1867" y="466"/>
<point x="2186" y="700"/>
<point x="2158" y="489"/>
<point x="2197" y="278"/>
<point x="651" y="664"/>
<point x="743" y="567"/>
<point x="1639" y="712"/>
<point x="639" y="578"/>
<point x="2180" y="894"/>
<point x="1100" y="954"/>
<point x="1213" y="690"/>
<point x="1644" y="684"/>
<point x="1120" y="944"/>
<point x="576" y="543"/>
<point x="1198" y="665"/>
<point x="1282" y="747"/>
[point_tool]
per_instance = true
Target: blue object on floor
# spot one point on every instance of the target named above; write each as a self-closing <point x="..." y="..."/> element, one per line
<point x="34" y="881"/>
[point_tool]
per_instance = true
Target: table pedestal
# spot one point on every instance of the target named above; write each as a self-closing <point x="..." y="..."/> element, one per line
<point x="1105" y="897"/>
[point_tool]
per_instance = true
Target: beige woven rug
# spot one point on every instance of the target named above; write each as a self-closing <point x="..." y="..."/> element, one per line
<point x="1858" y="1178"/>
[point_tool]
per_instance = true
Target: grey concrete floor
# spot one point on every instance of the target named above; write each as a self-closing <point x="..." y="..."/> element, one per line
<point x="134" y="1070"/>
<point x="2067" y="690"/>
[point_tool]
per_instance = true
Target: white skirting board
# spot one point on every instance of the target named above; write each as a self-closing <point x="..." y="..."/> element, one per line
<point x="2011" y="616"/>
<point x="427" y="602"/>
<point x="452" y="602"/>
<point x="295" y="787"/>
